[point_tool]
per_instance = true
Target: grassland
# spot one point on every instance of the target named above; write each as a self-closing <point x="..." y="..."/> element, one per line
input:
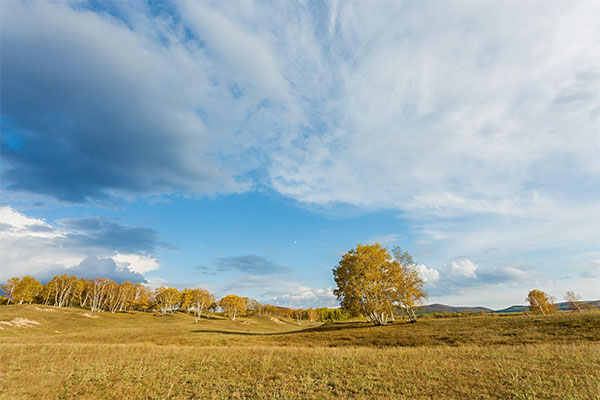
<point x="70" y="355"/>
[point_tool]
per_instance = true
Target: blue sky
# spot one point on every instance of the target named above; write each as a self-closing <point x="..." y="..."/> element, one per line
<point x="245" y="146"/>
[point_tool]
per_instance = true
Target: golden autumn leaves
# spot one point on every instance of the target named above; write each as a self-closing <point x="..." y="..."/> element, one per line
<point x="372" y="283"/>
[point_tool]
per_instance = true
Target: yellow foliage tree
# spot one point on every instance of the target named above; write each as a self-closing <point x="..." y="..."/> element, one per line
<point x="409" y="291"/>
<point x="10" y="288"/>
<point x="167" y="299"/>
<point x="26" y="290"/>
<point x="370" y="283"/>
<point x="233" y="306"/>
<point x="200" y="300"/>
<point x="540" y="302"/>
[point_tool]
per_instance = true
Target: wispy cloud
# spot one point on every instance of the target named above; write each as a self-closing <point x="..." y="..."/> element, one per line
<point x="478" y="135"/>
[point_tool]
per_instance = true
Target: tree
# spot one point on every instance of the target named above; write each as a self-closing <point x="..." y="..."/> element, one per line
<point x="10" y="288"/>
<point x="298" y="314"/>
<point x="141" y="298"/>
<point x="409" y="290"/>
<point x="119" y="295"/>
<point x="98" y="293"/>
<point x="26" y="290"/>
<point x="370" y="283"/>
<point x="200" y="300"/>
<point x="574" y="301"/>
<point x="540" y="302"/>
<point x="255" y="307"/>
<point x="167" y="299"/>
<point x="63" y="287"/>
<point x="233" y="305"/>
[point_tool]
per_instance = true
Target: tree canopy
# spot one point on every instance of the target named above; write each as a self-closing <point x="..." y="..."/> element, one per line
<point x="233" y="305"/>
<point x="371" y="283"/>
<point x="540" y="302"/>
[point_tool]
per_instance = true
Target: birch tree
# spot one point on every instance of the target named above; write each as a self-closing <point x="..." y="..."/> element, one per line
<point x="408" y="288"/>
<point x="98" y="293"/>
<point x="540" y="302"/>
<point x="167" y="299"/>
<point x="200" y="300"/>
<point x="27" y="290"/>
<point x="574" y="301"/>
<point x="232" y="306"/>
<point x="10" y="288"/>
<point x="63" y="286"/>
<point x="370" y="283"/>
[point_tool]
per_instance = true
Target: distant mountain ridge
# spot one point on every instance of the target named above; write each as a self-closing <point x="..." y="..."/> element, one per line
<point x="442" y="308"/>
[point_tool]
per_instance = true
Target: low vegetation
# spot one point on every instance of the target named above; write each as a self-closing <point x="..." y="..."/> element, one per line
<point x="65" y="353"/>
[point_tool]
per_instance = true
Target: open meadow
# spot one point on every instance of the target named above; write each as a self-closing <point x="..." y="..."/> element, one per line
<point x="48" y="352"/>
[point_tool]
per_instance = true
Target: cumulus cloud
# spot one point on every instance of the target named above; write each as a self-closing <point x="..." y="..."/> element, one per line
<point x="464" y="268"/>
<point x="429" y="275"/>
<point x="287" y="293"/>
<point x="300" y="296"/>
<point x="463" y="276"/>
<point x="35" y="247"/>
<point x="96" y="267"/>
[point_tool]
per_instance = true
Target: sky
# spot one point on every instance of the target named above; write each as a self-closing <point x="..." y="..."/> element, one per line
<point x="243" y="147"/>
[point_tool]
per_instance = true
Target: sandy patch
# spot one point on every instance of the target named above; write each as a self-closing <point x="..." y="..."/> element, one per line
<point x="19" y="322"/>
<point x="277" y="321"/>
<point x="88" y="315"/>
<point x="42" y="309"/>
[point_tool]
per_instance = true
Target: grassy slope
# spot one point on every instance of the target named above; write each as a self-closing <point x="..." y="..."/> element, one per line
<point x="144" y="356"/>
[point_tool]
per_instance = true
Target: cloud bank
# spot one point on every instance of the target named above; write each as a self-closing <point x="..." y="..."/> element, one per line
<point x="85" y="247"/>
<point x="478" y="124"/>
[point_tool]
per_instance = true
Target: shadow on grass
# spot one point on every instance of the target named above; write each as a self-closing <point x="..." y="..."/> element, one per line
<point x="327" y="327"/>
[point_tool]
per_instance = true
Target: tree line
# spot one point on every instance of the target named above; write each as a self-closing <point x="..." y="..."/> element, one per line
<point x="371" y="284"/>
<point x="106" y="295"/>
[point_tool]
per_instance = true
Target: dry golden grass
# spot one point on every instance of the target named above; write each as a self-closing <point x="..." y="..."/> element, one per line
<point x="143" y="356"/>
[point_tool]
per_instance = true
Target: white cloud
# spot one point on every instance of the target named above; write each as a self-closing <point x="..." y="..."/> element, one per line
<point x="136" y="262"/>
<point x="483" y="136"/>
<point x="464" y="268"/>
<point x="429" y="275"/>
<point x="15" y="224"/>
<point x="30" y="246"/>
<point x="300" y="296"/>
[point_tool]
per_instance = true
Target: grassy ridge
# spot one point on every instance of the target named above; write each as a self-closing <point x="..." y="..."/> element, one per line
<point x="144" y="356"/>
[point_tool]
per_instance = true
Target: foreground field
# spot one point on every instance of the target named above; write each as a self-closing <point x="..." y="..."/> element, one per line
<point x="70" y="355"/>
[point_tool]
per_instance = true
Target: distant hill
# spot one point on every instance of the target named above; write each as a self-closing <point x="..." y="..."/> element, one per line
<point x="564" y="306"/>
<point x="442" y="308"/>
<point x="512" y="309"/>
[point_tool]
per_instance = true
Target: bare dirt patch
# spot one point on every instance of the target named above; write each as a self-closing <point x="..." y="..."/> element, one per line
<point x="42" y="309"/>
<point x="88" y="315"/>
<point x="19" y="322"/>
<point x="277" y="321"/>
<point x="247" y="323"/>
